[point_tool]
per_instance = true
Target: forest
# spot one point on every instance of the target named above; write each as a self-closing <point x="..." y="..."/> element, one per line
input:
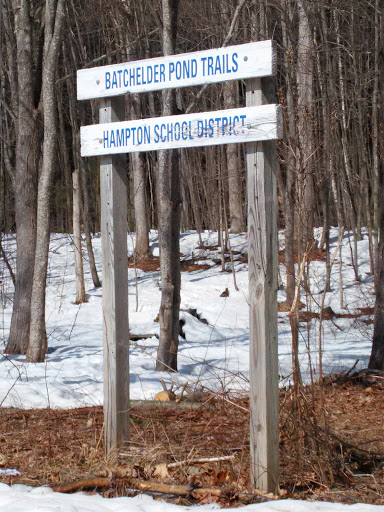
<point x="330" y="63"/>
<point x="187" y="210"/>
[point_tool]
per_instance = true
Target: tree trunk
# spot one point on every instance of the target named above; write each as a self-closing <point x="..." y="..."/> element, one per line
<point x="290" y="206"/>
<point x="87" y="229"/>
<point x="375" y="138"/>
<point x="304" y="80"/>
<point x="80" y="286"/>
<point x="54" y="17"/>
<point x="27" y="141"/>
<point x="140" y="199"/>
<point x="169" y="209"/>
<point x="376" y="361"/>
<point x="236" y="213"/>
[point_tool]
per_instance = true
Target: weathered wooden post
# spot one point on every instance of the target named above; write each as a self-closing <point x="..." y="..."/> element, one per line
<point x="114" y="229"/>
<point x="262" y="265"/>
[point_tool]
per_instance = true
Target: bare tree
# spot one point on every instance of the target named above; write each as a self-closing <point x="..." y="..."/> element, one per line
<point x="80" y="285"/>
<point x="376" y="361"/>
<point x="17" y="17"/>
<point x="140" y="199"/>
<point x="54" y="19"/>
<point x="169" y="218"/>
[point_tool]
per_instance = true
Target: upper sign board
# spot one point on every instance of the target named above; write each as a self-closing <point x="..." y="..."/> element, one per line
<point x="247" y="124"/>
<point x="251" y="60"/>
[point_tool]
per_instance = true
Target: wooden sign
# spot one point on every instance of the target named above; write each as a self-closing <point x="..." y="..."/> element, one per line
<point x="259" y="124"/>
<point x="182" y="70"/>
<point x="190" y="130"/>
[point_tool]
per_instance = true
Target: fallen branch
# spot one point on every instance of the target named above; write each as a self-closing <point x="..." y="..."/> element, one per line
<point x="180" y="490"/>
<point x="362" y="456"/>
<point x="158" y="487"/>
<point x="90" y="483"/>
<point x="197" y="493"/>
<point x="199" y="461"/>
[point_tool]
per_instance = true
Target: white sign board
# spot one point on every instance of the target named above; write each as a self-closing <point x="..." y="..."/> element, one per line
<point x="189" y="130"/>
<point x="251" y="60"/>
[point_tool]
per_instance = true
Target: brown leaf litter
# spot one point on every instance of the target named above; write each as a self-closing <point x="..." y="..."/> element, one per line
<point x="331" y="454"/>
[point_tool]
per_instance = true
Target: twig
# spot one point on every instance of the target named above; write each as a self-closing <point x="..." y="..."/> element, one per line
<point x="351" y="369"/>
<point x="102" y="57"/>
<point x="225" y="42"/>
<point x="294" y="322"/>
<point x="329" y="270"/>
<point x="5" y="258"/>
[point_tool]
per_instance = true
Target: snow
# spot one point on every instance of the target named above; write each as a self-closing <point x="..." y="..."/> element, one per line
<point x="20" y="498"/>
<point x="213" y="354"/>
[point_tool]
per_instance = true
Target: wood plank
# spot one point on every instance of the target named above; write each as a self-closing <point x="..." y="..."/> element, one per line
<point x="262" y="263"/>
<point x="113" y="184"/>
<point x="187" y="69"/>
<point x="256" y="123"/>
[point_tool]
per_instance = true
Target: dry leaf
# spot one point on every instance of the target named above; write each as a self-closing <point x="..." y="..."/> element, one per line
<point x="161" y="471"/>
<point x="165" y="396"/>
<point x="225" y="293"/>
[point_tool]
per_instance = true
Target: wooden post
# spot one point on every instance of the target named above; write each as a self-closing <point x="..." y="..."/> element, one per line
<point x="113" y="184"/>
<point x="262" y="257"/>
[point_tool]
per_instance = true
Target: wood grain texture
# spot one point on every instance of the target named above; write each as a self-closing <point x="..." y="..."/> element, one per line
<point x="113" y="185"/>
<point x="174" y="71"/>
<point x="262" y="257"/>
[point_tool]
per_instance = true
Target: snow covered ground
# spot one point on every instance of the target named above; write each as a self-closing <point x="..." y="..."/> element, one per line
<point x="213" y="354"/>
<point x="20" y="498"/>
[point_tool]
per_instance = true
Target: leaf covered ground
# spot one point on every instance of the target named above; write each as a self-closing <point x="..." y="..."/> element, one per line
<point x="331" y="448"/>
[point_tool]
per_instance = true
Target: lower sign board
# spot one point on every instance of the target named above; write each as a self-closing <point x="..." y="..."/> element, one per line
<point x="248" y="124"/>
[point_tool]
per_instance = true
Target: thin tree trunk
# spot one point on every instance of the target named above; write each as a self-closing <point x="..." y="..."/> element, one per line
<point x="194" y="196"/>
<point x="87" y="229"/>
<point x="140" y="200"/>
<point x="64" y="153"/>
<point x="304" y="81"/>
<point x="236" y="213"/>
<point x="80" y="286"/>
<point x="290" y="207"/>
<point x="375" y="139"/>
<point x="344" y="142"/>
<point x="323" y="180"/>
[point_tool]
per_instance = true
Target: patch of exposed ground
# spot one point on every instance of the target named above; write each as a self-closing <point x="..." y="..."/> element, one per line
<point x="153" y="264"/>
